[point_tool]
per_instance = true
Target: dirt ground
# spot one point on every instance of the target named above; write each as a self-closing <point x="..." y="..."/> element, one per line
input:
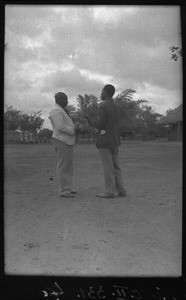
<point x="139" y="235"/>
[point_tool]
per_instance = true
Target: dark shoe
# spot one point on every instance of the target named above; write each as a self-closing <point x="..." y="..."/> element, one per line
<point x="122" y="194"/>
<point x="67" y="195"/>
<point x="73" y="192"/>
<point x="105" y="195"/>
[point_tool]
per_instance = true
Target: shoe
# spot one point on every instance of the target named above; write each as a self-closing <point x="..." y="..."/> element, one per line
<point x="104" y="195"/>
<point x="73" y="192"/>
<point x="67" y="195"/>
<point x="122" y="194"/>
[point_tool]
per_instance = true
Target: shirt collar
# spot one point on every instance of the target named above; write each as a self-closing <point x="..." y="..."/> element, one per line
<point x="58" y="106"/>
<point x="61" y="108"/>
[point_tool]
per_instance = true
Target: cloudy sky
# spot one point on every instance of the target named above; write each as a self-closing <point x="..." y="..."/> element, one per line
<point x="79" y="49"/>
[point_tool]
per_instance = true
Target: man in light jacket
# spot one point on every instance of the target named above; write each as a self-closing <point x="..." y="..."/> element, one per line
<point x="64" y="140"/>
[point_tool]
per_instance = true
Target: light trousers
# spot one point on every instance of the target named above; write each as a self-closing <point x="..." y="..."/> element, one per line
<point x="64" y="170"/>
<point x="112" y="171"/>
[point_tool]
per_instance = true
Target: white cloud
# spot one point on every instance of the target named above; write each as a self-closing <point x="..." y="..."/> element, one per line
<point x="72" y="82"/>
<point x="160" y="99"/>
<point x="78" y="49"/>
<point x="104" y="79"/>
<point x="113" y="15"/>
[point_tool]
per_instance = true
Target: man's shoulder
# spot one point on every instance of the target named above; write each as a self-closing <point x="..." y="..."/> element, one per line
<point x="55" y="110"/>
<point x="104" y="104"/>
<point x="109" y="104"/>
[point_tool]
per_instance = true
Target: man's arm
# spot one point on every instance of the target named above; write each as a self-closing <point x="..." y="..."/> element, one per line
<point x="100" y="121"/>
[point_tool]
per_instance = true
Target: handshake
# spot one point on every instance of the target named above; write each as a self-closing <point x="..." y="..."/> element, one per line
<point x="86" y="117"/>
<point x="89" y="120"/>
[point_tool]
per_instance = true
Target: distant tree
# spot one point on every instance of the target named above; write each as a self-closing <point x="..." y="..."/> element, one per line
<point x="31" y="123"/>
<point x="87" y="105"/>
<point x="44" y="134"/>
<point x="126" y="95"/>
<point x="72" y="111"/>
<point x="36" y="121"/>
<point x="130" y="110"/>
<point x="150" y="125"/>
<point x="12" y="118"/>
<point x="135" y="116"/>
<point x="24" y="124"/>
<point x="16" y="119"/>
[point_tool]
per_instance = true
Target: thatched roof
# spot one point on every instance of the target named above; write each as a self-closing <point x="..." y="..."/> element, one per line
<point x="173" y="116"/>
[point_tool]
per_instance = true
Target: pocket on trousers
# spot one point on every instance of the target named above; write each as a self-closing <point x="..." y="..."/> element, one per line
<point x="102" y="140"/>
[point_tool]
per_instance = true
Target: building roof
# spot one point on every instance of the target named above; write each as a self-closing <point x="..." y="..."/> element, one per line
<point x="173" y="116"/>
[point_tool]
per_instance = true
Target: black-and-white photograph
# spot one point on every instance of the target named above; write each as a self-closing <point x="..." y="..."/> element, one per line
<point x="93" y="140"/>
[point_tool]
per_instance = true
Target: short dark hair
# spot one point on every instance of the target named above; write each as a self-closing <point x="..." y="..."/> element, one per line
<point x="110" y="89"/>
<point x="60" y="98"/>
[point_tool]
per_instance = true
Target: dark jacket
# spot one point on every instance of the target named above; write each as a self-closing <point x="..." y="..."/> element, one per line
<point x="108" y="120"/>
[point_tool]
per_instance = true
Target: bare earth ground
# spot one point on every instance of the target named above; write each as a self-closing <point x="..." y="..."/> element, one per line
<point x="133" y="236"/>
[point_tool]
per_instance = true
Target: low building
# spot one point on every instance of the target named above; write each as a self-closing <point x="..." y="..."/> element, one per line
<point x="174" y="122"/>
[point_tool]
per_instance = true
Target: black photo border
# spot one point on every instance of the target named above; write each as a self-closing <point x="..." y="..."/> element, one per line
<point x="16" y="287"/>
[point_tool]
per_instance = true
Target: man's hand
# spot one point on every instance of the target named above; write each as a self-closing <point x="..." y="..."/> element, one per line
<point x="84" y="116"/>
<point x="87" y="118"/>
<point x="77" y="127"/>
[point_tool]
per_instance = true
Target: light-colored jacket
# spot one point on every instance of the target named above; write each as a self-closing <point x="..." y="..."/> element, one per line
<point x="63" y="127"/>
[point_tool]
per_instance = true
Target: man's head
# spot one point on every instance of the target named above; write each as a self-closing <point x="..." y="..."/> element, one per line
<point x="61" y="99"/>
<point x="107" y="92"/>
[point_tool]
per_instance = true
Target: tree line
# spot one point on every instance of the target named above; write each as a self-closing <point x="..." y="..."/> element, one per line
<point x="136" y="117"/>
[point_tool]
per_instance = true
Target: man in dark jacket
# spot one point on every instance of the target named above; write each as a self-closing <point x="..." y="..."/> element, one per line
<point x="108" y="141"/>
